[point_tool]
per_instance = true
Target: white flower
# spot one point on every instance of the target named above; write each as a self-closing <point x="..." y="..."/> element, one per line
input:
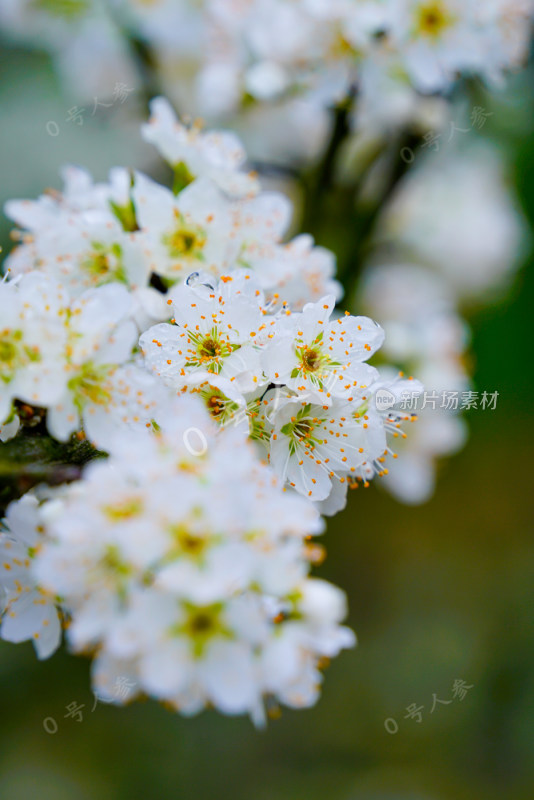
<point x="218" y="330"/>
<point x="259" y="223"/>
<point x="202" y="229"/>
<point x="190" y="652"/>
<point x="435" y="39"/>
<point x="149" y="307"/>
<point x="321" y="451"/>
<point x="270" y="49"/>
<point x="321" y="358"/>
<point x="293" y="56"/>
<point x="32" y="342"/>
<point x="313" y="447"/>
<point x="289" y="662"/>
<point x="121" y="231"/>
<point x="218" y="155"/>
<point x="127" y="397"/>
<point x="87" y="250"/>
<point x="222" y="398"/>
<point x="79" y="195"/>
<point x="266" y="79"/>
<point x="294" y="130"/>
<point x="84" y="236"/>
<point x="185" y="233"/>
<point x="173" y="29"/>
<point x="507" y="35"/>
<point x="296" y="273"/>
<point x="417" y="310"/>
<point x="100" y="336"/>
<point x="425" y="334"/>
<point x="456" y="214"/>
<point x="28" y="612"/>
<point x="436" y="431"/>
<point x="388" y="102"/>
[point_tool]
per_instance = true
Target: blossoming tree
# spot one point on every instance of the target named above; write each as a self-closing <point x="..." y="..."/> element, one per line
<point x="182" y="398"/>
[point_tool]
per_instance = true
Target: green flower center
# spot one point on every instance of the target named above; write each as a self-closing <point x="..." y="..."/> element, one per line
<point x="90" y="385"/>
<point x="8" y="351"/>
<point x="432" y="19"/>
<point x="209" y="350"/>
<point x="186" y="240"/>
<point x="215" y="405"/>
<point x="112" y="562"/>
<point x="187" y="543"/>
<point x="129" y="508"/>
<point x="105" y="263"/>
<point x="313" y="362"/>
<point x="202" y="624"/>
<point x="300" y="430"/>
<point x="14" y="354"/>
<point x="219" y="406"/>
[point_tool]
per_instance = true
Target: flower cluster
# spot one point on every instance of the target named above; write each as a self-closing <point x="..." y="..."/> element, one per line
<point x="272" y="47"/>
<point x="72" y="357"/>
<point x="184" y="568"/>
<point x="297" y="382"/>
<point x="244" y="332"/>
<point x="195" y="342"/>
<point x="177" y="332"/>
<point x="226" y="400"/>
<point x="220" y="57"/>
<point x="126" y="231"/>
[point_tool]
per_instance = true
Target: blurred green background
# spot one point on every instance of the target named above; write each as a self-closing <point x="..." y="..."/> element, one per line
<point x="437" y="593"/>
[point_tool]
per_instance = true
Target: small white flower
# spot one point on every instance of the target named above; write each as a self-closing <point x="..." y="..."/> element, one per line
<point x="28" y="611"/>
<point x="88" y="250"/>
<point x="455" y="213"/>
<point x="79" y="194"/>
<point x="217" y="329"/>
<point x="32" y="342"/>
<point x="313" y="446"/>
<point x="226" y="404"/>
<point x="383" y="416"/>
<point x="128" y="397"/>
<point x="295" y="273"/>
<point x="185" y="233"/>
<point x="320" y="358"/>
<point x="424" y="331"/>
<point x="435" y="39"/>
<point x="192" y="153"/>
<point x="100" y="336"/>
<point x="311" y="627"/>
